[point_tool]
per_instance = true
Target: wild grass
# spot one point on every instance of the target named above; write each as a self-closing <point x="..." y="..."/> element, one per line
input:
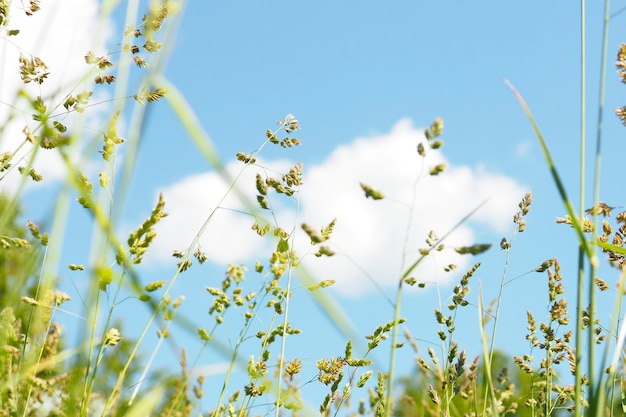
<point x="113" y="372"/>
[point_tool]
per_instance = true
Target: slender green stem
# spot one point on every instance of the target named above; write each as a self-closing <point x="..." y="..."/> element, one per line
<point x="396" y="314"/>
<point x="31" y="320"/>
<point x="582" y="110"/>
<point x="283" y="344"/>
<point x="486" y="359"/>
<point x="597" y="389"/>
<point x="398" y="301"/>
<point x="579" y="326"/>
<point x="394" y="341"/>
<point x="581" y="263"/>
<point x="503" y="282"/>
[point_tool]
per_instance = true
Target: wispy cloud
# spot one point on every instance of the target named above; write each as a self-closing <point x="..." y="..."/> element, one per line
<point x="371" y="238"/>
<point x="523" y="149"/>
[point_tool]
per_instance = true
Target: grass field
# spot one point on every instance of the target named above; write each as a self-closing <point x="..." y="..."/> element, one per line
<point x="574" y="365"/>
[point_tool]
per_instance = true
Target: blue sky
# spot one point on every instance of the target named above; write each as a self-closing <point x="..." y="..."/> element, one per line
<point x="364" y="79"/>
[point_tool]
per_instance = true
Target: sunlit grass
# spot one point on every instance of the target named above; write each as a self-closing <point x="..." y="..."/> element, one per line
<point x="111" y="372"/>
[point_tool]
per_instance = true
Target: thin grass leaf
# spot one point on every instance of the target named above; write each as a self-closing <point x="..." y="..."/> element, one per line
<point x="610" y="247"/>
<point x="556" y="177"/>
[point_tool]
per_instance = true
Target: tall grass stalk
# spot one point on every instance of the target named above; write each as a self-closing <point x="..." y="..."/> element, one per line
<point x="598" y="390"/>
<point x="487" y="356"/>
<point x="581" y="261"/>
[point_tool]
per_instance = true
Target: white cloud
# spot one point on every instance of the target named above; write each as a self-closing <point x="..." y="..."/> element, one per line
<point x="59" y="34"/>
<point x="228" y="237"/>
<point x="369" y="235"/>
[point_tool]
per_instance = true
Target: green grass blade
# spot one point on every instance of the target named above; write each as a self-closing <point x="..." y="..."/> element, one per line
<point x="557" y="179"/>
